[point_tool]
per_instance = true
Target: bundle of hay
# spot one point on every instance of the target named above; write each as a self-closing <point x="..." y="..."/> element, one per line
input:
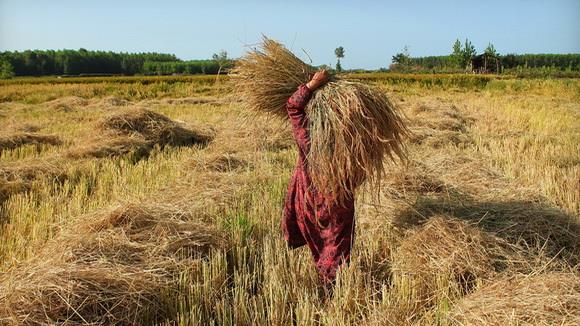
<point x="112" y="101"/>
<point x="68" y="103"/>
<point x="437" y="125"/>
<point x="17" y="177"/>
<point x="543" y="299"/>
<point x="138" y="131"/>
<point x="448" y="257"/>
<point x="221" y="162"/>
<point x="112" y="268"/>
<point x="353" y="126"/>
<point x="13" y="140"/>
<point x="22" y="126"/>
<point x="152" y="126"/>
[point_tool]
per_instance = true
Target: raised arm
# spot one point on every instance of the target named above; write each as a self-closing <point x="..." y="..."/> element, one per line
<point x="295" y="107"/>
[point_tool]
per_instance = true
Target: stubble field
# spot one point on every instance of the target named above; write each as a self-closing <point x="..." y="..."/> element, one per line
<point x="159" y="202"/>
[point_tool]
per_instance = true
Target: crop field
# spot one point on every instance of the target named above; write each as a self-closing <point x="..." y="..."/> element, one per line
<point x="158" y="200"/>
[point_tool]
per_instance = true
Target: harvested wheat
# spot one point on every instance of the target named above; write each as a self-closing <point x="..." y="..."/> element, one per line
<point x="138" y="131"/>
<point x="19" y="176"/>
<point x="112" y="268"/>
<point x="12" y="140"/>
<point x="353" y="126"/>
<point x="68" y="103"/>
<point x="447" y="256"/>
<point x="542" y="299"/>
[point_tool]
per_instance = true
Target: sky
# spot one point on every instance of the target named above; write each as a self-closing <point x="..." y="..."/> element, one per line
<point x="371" y="32"/>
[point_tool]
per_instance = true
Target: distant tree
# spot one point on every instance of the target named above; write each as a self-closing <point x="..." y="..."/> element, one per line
<point x="457" y="55"/>
<point x="490" y="49"/>
<point x="339" y="52"/>
<point x="221" y="59"/>
<point x="468" y="52"/>
<point x="403" y="58"/>
<point x="6" y="70"/>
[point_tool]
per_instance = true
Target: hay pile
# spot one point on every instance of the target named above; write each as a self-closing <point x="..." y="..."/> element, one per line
<point x="115" y="267"/>
<point x="22" y="126"/>
<point x="353" y="126"/>
<point x="17" y="177"/>
<point x="437" y="125"/>
<point x="221" y="162"/>
<point x="13" y="140"/>
<point x="543" y="299"/>
<point x="447" y="256"/>
<point x="112" y="101"/>
<point x="67" y="103"/>
<point x="195" y="101"/>
<point x="137" y="131"/>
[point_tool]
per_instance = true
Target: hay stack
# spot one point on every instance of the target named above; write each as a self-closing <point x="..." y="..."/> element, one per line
<point x="17" y="177"/>
<point x="68" y="103"/>
<point x="446" y="256"/>
<point x="543" y="299"/>
<point x="112" y="101"/>
<point x="138" y="131"/>
<point x="111" y="268"/>
<point x="13" y="140"/>
<point x="353" y="126"/>
<point x="22" y="126"/>
<point x="221" y="162"/>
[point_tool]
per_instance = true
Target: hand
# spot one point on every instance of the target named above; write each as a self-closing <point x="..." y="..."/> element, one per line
<point x="319" y="79"/>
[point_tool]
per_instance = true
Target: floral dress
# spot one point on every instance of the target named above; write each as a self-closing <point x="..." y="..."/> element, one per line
<point x="327" y="229"/>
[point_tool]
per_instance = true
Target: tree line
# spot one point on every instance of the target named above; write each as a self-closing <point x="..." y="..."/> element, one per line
<point x="84" y="62"/>
<point x="462" y="54"/>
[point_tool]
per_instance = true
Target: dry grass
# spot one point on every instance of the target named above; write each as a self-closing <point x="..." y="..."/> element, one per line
<point x="137" y="131"/>
<point x="195" y="100"/>
<point x="451" y="209"/>
<point x="12" y="140"/>
<point x="222" y="162"/>
<point x="267" y="76"/>
<point x="113" y="268"/>
<point x="67" y="104"/>
<point x="354" y="130"/>
<point x="17" y="177"/>
<point x="438" y="127"/>
<point x="542" y="299"/>
<point x="112" y="102"/>
<point x="447" y="254"/>
<point x="353" y="127"/>
<point x="22" y="126"/>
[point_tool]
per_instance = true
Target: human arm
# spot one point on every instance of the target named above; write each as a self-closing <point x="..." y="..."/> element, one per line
<point x="295" y="107"/>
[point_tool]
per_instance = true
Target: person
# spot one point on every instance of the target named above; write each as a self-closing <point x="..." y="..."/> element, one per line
<point x="309" y="217"/>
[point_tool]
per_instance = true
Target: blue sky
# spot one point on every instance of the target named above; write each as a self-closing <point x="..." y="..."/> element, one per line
<point x="370" y="31"/>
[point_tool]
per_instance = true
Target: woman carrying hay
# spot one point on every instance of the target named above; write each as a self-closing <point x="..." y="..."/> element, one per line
<point x="345" y="131"/>
<point x="310" y="217"/>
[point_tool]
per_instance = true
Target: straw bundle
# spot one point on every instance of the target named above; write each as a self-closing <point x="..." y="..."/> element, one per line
<point x="19" y="176"/>
<point x="450" y="255"/>
<point x="543" y="299"/>
<point x="111" y="268"/>
<point x="137" y="131"/>
<point x="353" y="126"/>
<point x="13" y="140"/>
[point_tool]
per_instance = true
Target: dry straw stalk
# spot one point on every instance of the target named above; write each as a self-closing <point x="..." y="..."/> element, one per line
<point x="353" y="126"/>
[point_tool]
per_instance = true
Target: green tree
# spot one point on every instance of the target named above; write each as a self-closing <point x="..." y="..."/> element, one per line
<point x="490" y="49"/>
<point x="403" y="58"/>
<point x="6" y="69"/>
<point x="468" y="52"/>
<point x="339" y="53"/>
<point x="456" y="55"/>
<point x="221" y="59"/>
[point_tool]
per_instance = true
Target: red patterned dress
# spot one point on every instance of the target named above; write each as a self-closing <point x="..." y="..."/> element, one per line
<point x="328" y="230"/>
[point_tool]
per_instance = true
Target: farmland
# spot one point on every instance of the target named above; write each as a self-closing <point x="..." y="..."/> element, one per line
<point x="102" y="225"/>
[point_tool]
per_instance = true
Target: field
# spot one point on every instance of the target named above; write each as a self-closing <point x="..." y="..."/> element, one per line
<point x="104" y="219"/>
